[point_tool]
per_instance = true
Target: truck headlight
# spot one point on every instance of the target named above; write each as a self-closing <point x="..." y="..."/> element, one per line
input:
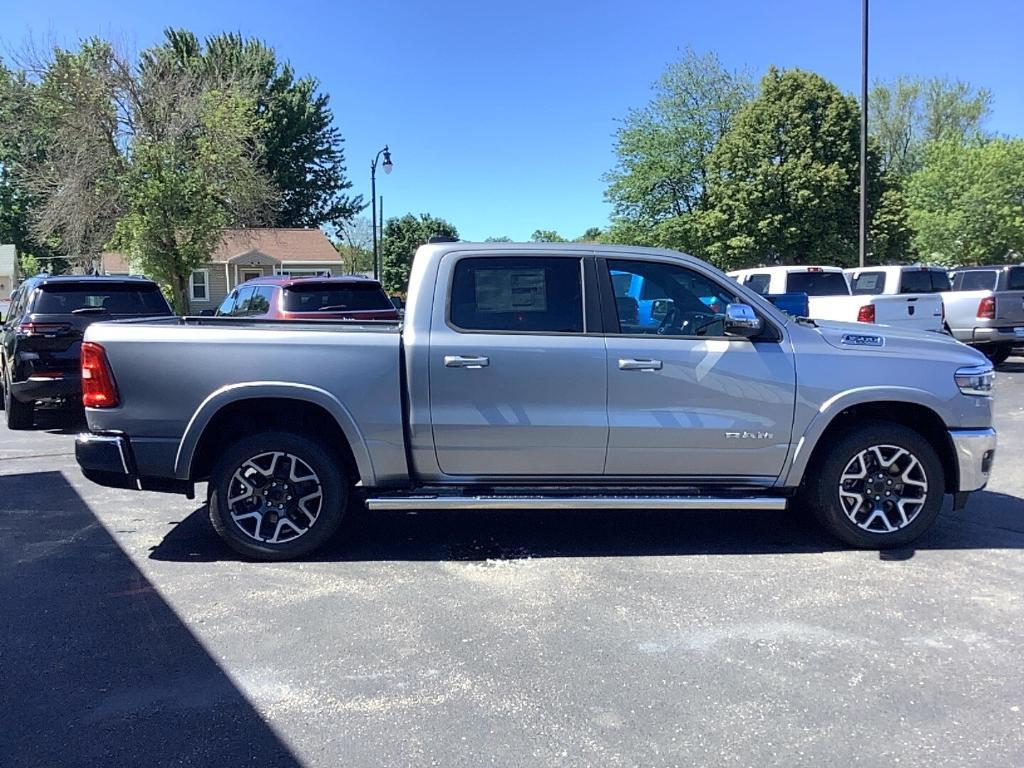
<point x="975" y="380"/>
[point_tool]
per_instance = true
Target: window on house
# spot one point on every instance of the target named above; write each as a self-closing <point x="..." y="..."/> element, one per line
<point x="200" y="285"/>
<point x="285" y="272"/>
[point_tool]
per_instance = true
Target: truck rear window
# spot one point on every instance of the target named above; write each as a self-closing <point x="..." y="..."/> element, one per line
<point x="1015" y="279"/>
<point x="325" y="297"/>
<point x="924" y="281"/>
<point x="111" y="298"/>
<point x="980" y="280"/>
<point x="817" y="283"/>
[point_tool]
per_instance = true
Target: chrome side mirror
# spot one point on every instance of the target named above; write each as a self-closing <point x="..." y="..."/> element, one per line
<point x="741" y="320"/>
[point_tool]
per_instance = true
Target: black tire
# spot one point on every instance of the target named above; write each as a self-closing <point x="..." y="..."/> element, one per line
<point x="252" y="536"/>
<point x="998" y="354"/>
<point x="867" y="529"/>
<point x="19" y="415"/>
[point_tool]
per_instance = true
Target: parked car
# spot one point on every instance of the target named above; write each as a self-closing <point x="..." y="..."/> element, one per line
<point x="518" y="381"/>
<point x="42" y="334"/>
<point x="830" y="297"/>
<point x="308" y="298"/>
<point x="986" y="309"/>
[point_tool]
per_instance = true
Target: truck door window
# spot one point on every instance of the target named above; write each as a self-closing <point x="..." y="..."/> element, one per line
<point x="981" y="280"/>
<point x="1015" y="279"/>
<point x="525" y="294"/>
<point x="868" y="283"/>
<point x="667" y="300"/>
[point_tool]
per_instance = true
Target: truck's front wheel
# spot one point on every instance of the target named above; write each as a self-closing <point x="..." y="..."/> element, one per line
<point x="879" y="486"/>
<point x="277" y="496"/>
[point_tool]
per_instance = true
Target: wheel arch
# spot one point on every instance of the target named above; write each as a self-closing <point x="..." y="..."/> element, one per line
<point x="894" y="407"/>
<point x="240" y="408"/>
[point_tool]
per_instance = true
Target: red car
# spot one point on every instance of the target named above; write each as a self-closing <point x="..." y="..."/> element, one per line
<point x="308" y="298"/>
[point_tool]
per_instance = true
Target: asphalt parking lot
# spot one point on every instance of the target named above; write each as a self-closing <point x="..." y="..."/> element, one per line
<point x="132" y="637"/>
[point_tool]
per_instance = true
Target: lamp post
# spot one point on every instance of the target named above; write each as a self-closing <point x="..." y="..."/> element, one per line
<point x="862" y="245"/>
<point x="388" y="165"/>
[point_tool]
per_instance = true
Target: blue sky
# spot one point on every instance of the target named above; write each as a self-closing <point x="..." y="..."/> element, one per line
<point x="501" y="116"/>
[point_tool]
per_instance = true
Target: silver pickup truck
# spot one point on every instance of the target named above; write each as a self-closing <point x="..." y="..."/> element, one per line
<point x="986" y="309"/>
<point x="541" y="376"/>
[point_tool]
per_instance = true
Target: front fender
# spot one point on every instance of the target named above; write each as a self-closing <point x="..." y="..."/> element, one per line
<point x="252" y="390"/>
<point x="838" y="403"/>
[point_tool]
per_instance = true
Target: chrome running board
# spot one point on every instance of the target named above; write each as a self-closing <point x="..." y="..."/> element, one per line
<point x="425" y="502"/>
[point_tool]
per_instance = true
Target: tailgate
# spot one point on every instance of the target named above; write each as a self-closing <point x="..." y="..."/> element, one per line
<point x="1009" y="308"/>
<point x="921" y="311"/>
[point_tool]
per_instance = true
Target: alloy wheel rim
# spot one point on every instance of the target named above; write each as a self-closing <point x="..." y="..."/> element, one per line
<point x="883" y="489"/>
<point x="274" y="497"/>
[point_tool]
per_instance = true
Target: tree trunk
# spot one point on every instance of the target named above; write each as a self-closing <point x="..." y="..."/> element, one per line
<point x="179" y="295"/>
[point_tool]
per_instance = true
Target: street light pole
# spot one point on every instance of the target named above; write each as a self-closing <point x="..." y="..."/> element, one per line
<point x="388" y="165"/>
<point x="863" y="232"/>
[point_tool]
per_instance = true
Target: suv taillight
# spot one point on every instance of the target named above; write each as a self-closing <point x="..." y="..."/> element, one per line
<point x="866" y="314"/>
<point x="987" y="308"/>
<point x="42" y="329"/>
<point x="98" y="388"/>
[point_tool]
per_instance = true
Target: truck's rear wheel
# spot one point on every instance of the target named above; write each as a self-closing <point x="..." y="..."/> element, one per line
<point x="879" y="486"/>
<point x="277" y="495"/>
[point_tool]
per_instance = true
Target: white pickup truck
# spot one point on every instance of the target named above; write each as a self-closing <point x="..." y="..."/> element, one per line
<point x="829" y="297"/>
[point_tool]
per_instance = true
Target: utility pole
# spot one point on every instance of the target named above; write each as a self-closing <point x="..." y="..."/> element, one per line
<point x="863" y="233"/>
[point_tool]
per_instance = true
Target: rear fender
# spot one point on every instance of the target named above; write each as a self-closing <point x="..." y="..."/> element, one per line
<point x="272" y="389"/>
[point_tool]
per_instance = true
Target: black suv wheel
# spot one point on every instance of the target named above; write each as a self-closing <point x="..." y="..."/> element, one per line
<point x="19" y="415"/>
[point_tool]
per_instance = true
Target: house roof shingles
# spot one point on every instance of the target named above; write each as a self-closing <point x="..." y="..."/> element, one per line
<point x="291" y="245"/>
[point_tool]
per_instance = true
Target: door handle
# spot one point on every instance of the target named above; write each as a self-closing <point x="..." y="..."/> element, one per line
<point x="628" y="364"/>
<point x="466" y="361"/>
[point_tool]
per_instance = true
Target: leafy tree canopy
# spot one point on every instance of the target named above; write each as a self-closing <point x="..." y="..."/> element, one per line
<point x="401" y="237"/>
<point x="546" y="236"/>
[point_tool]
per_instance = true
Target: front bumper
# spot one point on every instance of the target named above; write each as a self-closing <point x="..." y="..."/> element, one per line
<point x="975" y="452"/>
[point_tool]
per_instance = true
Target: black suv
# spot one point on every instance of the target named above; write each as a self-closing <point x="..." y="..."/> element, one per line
<point x="42" y="334"/>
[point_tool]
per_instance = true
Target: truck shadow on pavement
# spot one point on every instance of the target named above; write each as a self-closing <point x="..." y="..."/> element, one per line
<point x="991" y="521"/>
<point x="97" y="668"/>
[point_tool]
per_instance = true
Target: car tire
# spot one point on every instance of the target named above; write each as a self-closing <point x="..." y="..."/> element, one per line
<point x="277" y="496"/>
<point x="998" y="354"/>
<point x="888" y="461"/>
<point x="19" y="415"/>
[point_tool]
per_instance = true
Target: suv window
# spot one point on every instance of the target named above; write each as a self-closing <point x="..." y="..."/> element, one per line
<point x="242" y="301"/>
<point x="759" y="283"/>
<point x="518" y="294"/>
<point x="689" y="303"/>
<point x="817" y="283"/>
<point x="923" y="281"/>
<point x="312" y="296"/>
<point x="227" y="305"/>
<point x="1015" y="279"/>
<point x="259" y="304"/>
<point x="114" y="298"/>
<point x="979" y="280"/>
<point x="868" y="283"/>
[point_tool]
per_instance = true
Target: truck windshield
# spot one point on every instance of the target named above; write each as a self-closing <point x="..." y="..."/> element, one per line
<point x="329" y="297"/>
<point x="817" y="283"/>
<point x="100" y="298"/>
<point x="924" y="281"/>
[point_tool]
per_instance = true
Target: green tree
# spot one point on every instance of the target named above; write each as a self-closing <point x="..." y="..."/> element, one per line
<point x="401" y="237"/>
<point x="590" y="235"/>
<point x="967" y="201"/>
<point x="546" y="236"/>
<point x="500" y="239"/>
<point x="910" y="112"/>
<point x="662" y="149"/>
<point x="182" y="191"/>
<point x="783" y="181"/>
<point x="300" y="149"/>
